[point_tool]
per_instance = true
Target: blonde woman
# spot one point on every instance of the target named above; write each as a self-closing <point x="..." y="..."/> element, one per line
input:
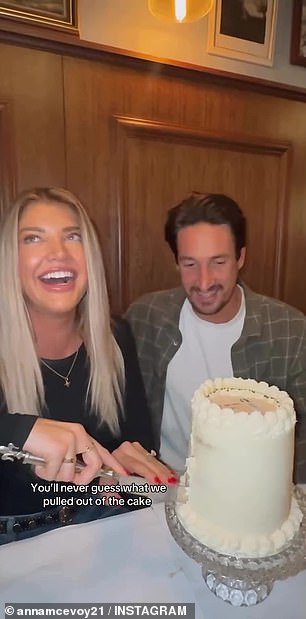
<point x="63" y="360"/>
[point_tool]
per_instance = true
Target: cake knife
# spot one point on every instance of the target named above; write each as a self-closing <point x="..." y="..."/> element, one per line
<point x="132" y="484"/>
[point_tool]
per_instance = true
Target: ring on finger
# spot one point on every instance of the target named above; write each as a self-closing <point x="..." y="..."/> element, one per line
<point x="87" y="449"/>
<point x="151" y="454"/>
<point x="69" y="460"/>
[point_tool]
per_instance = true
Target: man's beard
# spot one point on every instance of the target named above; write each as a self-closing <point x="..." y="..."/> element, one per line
<point x="207" y="309"/>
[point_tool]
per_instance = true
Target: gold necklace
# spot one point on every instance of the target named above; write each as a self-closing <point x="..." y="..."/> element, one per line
<point x="65" y="378"/>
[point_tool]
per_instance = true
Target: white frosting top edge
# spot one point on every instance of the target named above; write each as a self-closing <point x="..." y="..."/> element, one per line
<point x="246" y="545"/>
<point x="211" y="415"/>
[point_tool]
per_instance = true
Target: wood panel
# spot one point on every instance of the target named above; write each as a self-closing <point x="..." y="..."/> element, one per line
<point x="32" y="82"/>
<point x="128" y="189"/>
<point x="69" y="119"/>
<point x="7" y="163"/>
<point x="252" y="171"/>
<point x="89" y="95"/>
<point x="61" y="42"/>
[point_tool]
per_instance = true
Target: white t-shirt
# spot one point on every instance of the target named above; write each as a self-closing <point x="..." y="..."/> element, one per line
<point x="205" y="353"/>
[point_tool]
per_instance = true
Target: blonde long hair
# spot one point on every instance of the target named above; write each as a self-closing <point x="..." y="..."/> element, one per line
<point x="20" y="374"/>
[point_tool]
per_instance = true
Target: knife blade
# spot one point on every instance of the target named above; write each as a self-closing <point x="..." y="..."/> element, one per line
<point x="129" y="484"/>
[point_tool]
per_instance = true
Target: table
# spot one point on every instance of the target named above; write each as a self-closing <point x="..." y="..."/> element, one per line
<point x="126" y="558"/>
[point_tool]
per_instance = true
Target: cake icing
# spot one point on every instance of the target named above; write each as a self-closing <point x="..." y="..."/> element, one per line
<point x="239" y="469"/>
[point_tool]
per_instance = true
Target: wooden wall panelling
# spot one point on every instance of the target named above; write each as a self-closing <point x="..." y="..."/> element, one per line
<point x="294" y="280"/>
<point x="93" y="93"/>
<point x="58" y="42"/>
<point x="96" y="92"/>
<point x="32" y="82"/>
<point x="47" y="136"/>
<point x="89" y="91"/>
<point x="60" y="123"/>
<point x="158" y="164"/>
<point x="7" y="157"/>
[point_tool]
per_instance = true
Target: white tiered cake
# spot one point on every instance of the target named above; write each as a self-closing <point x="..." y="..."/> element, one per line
<point x="239" y="469"/>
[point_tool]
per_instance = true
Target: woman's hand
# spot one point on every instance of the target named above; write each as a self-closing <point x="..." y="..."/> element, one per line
<point x="136" y="459"/>
<point x="59" y="442"/>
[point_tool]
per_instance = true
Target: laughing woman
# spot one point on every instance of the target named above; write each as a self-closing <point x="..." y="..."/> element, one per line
<point x="64" y="364"/>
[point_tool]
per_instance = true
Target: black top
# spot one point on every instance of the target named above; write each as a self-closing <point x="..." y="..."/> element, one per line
<point x="69" y="404"/>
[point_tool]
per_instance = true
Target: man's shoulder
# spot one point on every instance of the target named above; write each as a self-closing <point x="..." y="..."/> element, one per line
<point x="159" y="298"/>
<point x="258" y="304"/>
<point x="162" y="302"/>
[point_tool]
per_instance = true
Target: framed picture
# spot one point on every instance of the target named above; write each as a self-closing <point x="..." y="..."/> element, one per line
<point x="243" y="30"/>
<point x="298" y="33"/>
<point x="54" y="14"/>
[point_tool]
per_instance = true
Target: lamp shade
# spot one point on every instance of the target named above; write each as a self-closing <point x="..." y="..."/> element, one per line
<point x="180" y="11"/>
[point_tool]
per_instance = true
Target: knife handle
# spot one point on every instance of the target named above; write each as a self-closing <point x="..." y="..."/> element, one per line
<point x="176" y="493"/>
<point x="11" y="453"/>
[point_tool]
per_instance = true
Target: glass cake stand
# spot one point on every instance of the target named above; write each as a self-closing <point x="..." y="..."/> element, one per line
<point x="242" y="581"/>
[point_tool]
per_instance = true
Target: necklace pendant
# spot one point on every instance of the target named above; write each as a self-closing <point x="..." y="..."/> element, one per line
<point x="67" y="382"/>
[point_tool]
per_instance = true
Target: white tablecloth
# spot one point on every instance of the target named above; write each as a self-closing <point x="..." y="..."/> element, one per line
<point x="127" y="558"/>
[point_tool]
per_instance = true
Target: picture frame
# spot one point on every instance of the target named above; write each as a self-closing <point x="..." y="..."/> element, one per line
<point x="60" y="15"/>
<point x="243" y="30"/>
<point x="298" y="33"/>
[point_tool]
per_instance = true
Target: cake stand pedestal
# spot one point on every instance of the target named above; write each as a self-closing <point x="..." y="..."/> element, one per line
<point x="242" y="581"/>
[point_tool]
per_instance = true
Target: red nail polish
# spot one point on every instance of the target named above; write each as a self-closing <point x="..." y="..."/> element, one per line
<point x="172" y="480"/>
<point x="157" y="480"/>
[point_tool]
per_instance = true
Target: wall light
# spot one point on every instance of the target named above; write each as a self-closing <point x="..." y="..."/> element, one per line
<point x="180" y="11"/>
